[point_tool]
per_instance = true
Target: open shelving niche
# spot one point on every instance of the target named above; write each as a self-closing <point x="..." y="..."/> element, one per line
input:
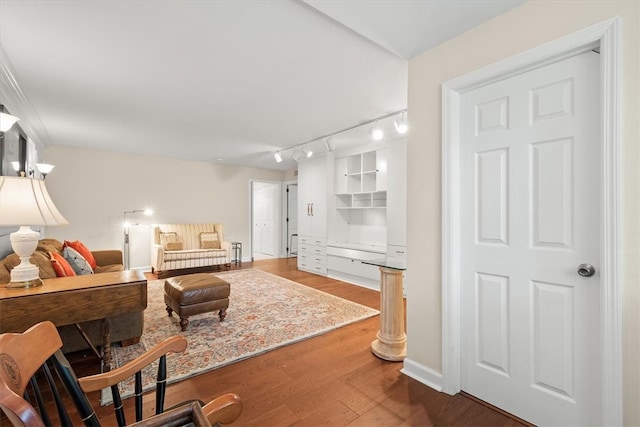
<point x="359" y="226"/>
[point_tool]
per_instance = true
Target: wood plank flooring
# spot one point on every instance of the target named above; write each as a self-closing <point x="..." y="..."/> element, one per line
<point x="333" y="379"/>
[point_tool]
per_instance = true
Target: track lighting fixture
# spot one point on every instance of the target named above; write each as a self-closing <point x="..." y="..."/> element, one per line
<point x="376" y="133"/>
<point x="401" y="126"/>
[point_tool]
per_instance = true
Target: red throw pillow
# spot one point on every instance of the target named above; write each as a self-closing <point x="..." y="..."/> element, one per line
<point x="84" y="251"/>
<point x="61" y="265"/>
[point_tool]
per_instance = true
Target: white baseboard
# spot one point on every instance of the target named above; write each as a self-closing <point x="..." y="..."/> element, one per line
<point x="143" y="269"/>
<point x="424" y="374"/>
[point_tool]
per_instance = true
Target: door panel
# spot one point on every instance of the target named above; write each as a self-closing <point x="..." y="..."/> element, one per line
<point x="530" y="208"/>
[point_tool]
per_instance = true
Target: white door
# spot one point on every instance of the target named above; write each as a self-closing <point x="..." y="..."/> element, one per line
<point x="257" y="212"/>
<point x="268" y="219"/>
<point x="530" y="216"/>
<point x="265" y="212"/>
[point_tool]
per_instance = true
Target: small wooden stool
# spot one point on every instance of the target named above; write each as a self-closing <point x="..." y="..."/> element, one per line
<point x="193" y="294"/>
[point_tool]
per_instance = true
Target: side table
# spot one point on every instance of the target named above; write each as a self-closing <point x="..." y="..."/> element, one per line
<point x="236" y="248"/>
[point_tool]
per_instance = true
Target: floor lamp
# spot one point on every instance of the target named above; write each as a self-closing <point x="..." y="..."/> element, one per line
<point x="126" y="226"/>
<point x="25" y="202"/>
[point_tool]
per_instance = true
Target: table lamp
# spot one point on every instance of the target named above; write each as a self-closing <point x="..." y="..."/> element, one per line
<point x="25" y="202"/>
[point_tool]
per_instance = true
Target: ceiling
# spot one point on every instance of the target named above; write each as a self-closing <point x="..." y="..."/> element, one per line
<point x="221" y="81"/>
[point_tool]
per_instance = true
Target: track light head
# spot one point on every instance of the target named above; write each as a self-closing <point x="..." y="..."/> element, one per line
<point x="401" y="125"/>
<point x="278" y="156"/>
<point x="296" y="155"/>
<point x="307" y="152"/>
<point x="376" y="133"/>
<point x="329" y="143"/>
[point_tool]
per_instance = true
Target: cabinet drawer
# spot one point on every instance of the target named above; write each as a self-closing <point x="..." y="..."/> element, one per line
<point x="316" y="241"/>
<point x="313" y="250"/>
<point x="313" y="267"/>
<point x="394" y="251"/>
<point x="353" y="266"/>
<point x="304" y="239"/>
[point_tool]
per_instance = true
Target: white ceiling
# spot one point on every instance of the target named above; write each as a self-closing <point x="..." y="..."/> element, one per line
<point x="210" y="80"/>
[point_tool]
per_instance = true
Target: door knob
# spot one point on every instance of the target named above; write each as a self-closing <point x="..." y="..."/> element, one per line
<point x="586" y="270"/>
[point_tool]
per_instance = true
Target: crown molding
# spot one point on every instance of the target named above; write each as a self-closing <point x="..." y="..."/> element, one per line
<point x="16" y="102"/>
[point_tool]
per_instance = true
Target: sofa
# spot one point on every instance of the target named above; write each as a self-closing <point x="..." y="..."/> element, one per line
<point x="184" y="248"/>
<point x="126" y="329"/>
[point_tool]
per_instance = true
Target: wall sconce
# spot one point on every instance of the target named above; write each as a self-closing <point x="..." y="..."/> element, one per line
<point x="126" y="225"/>
<point x="16" y="167"/>
<point x="7" y="121"/>
<point x="44" y="169"/>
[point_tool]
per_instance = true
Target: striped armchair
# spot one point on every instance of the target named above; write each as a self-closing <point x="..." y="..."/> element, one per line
<point x="176" y="247"/>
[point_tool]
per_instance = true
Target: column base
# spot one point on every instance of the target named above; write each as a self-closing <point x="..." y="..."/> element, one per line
<point x="395" y="352"/>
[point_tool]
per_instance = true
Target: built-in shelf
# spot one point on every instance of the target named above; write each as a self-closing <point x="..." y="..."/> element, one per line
<point x="359" y="181"/>
<point x="376" y="199"/>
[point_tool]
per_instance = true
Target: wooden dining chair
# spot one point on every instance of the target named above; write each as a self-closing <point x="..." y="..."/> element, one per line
<point x="26" y="381"/>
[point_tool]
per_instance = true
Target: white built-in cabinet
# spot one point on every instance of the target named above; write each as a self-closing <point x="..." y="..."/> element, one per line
<point x="352" y="208"/>
<point x="367" y="219"/>
<point x="313" y="177"/>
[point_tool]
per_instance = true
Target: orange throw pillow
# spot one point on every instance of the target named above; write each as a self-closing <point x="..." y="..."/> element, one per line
<point x="61" y="265"/>
<point x="84" y="251"/>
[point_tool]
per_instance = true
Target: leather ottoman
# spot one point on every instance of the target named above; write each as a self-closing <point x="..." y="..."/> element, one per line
<point x="193" y="294"/>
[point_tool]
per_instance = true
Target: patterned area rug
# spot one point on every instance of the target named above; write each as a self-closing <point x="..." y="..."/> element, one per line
<point x="265" y="312"/>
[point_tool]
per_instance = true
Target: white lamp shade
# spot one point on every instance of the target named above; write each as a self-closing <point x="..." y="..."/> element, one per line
<point x="26" y="201"/>
<point x="6" y="121"/>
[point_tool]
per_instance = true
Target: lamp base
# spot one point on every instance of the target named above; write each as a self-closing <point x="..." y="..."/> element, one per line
<point x="25" y="284"/>
<point x="24" y="275"/>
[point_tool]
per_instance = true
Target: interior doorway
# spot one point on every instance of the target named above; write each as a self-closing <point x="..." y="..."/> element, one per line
<point x="600" y="38"/>
<point x="291" y="220"/>
<point x="265" y="224"/>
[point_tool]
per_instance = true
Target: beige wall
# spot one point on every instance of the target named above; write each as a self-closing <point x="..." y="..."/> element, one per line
<point x="523" y="28"/>
<point x="92" y="189"/>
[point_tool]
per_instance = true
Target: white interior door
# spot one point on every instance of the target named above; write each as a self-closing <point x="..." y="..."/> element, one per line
<point x="265" y="212"/>
<point x="531" y="214"/>
<point x="268" y="219"/>
<point x="257" y="210"/>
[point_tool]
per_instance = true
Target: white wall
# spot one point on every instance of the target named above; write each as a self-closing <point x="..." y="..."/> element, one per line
<point x="518" y="30"/>
<point x="93" y="188"/>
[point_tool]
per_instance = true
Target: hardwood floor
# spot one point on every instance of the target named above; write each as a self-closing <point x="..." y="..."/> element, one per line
<point x="332" y="379"/>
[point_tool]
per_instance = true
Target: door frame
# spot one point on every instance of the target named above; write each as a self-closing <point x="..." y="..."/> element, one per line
<point x="284" y="253"/>
<point x="607" y="37"/>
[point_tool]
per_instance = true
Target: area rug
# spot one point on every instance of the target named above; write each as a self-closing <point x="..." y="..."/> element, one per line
<point x="265" y="312"/>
